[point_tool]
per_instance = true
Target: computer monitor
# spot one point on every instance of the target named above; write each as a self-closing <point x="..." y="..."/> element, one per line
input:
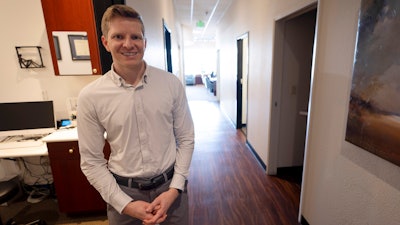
<point x="27" y="118"/>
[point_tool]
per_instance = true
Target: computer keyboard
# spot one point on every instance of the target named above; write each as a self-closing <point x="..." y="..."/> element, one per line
<point x="21" y="142"/>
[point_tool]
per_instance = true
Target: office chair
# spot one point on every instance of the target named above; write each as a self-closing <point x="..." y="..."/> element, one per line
<point x="8" y="191"/>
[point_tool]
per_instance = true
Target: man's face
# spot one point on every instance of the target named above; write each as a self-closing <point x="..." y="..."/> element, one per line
<point x="125" y="42"/>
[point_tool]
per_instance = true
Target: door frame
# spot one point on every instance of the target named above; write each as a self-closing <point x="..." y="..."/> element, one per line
<point x="167" y="47"/>
<point x="277" y="83"/>
<point x="242" y="80"/>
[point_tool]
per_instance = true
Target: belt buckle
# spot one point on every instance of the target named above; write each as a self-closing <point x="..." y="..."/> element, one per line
<point x="143" y="186"/>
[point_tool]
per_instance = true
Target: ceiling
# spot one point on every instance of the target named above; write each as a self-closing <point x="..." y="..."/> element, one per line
<point x="201" y="17"/>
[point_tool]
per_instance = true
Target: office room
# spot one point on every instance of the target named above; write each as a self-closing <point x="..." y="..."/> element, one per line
<point x="341" y="183"/>
<point x="36" y="81"/>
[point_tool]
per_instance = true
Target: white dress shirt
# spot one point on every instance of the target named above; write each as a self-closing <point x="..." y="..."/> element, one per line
<point x="149" y="128"/>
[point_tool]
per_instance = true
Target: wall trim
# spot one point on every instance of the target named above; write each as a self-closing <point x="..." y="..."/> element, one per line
<point x="259" y="160"/>
<point x="303" y="221"/>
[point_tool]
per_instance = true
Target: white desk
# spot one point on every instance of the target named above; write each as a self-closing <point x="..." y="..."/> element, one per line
<point x="61" y="135"/>
<point x="57" y="136"/>
<point x="24" y="152"/>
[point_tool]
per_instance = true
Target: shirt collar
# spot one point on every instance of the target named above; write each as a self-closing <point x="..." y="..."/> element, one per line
<point x="120" y="82"/>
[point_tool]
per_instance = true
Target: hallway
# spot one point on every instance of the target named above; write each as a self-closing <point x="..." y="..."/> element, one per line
<point x="227" y="186"/>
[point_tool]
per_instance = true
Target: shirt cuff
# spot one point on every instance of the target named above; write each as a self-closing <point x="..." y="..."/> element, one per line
<point x="178" y="182"/>
<point x="120" y="201"/>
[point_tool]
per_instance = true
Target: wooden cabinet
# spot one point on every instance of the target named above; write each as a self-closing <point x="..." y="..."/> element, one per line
<point x="72" y="15"/>
<point x="83" y="16"/>
<point x="73" y="191"/>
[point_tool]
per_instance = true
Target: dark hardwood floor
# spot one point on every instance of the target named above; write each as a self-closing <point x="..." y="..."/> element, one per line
<point x="227" y="185"/>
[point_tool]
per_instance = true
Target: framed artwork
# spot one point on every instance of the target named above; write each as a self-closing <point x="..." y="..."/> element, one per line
<point x="79" y="47"/>
<point x="57" y="47"/>
<point x="373" y="121"/>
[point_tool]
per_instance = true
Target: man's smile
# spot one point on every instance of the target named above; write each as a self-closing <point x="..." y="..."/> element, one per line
<point x="129" y="53"/>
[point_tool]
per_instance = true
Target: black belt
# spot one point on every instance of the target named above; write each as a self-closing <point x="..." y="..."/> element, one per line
<point x="152" y="183"/>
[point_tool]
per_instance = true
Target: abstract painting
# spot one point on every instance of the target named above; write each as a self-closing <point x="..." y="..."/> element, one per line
<point x="374" y="110"/>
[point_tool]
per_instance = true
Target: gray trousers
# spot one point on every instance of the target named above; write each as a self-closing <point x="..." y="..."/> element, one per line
<point x="178" y="213"/>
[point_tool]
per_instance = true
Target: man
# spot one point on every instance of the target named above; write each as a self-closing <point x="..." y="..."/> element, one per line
<point x="144" y="115"/>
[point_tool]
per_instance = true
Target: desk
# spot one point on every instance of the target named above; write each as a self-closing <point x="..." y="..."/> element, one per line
<point x="57" y="136"/>
<point x="73" y="191"/>
<point x="24" y="152"/>
<point x="69" y="134"/>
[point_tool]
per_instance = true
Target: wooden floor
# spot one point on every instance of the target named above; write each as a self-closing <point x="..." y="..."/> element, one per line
<point x="227" y="185"/>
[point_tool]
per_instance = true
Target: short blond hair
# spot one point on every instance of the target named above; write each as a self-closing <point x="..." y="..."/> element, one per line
<point x="119" y="10"/>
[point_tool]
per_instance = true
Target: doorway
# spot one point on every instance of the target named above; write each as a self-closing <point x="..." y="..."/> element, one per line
<point x="242" y="44"/>
<point x="167" y="48"/>
<point x="293" y="54"/>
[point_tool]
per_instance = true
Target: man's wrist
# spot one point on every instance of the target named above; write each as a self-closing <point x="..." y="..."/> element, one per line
<point x="178" y="190"/>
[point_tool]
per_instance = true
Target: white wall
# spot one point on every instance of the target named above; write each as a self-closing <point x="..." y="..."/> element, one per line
<point x="31" y="84"/>
<point x="153" y="12"/>
<point x="343" y="184"/>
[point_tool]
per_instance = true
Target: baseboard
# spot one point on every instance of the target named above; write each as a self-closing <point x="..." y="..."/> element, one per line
<point x="303" y="221"/>
<point x="259" y="160"/>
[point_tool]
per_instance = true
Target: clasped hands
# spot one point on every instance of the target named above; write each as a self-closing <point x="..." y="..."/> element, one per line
<point x="154" y="212"/>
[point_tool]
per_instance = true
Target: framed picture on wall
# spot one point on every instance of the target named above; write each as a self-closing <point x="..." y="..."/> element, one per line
<point x="57" y="47"/>
<point x="373" y="121"/>
<point x="79" y="47"/>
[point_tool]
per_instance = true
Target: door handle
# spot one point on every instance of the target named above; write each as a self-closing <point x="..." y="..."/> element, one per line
<point x="303" y="113"/>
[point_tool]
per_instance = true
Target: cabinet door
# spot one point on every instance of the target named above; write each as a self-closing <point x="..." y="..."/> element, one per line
<point x="74" y="193"/>
<point x="72" y="15"/>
